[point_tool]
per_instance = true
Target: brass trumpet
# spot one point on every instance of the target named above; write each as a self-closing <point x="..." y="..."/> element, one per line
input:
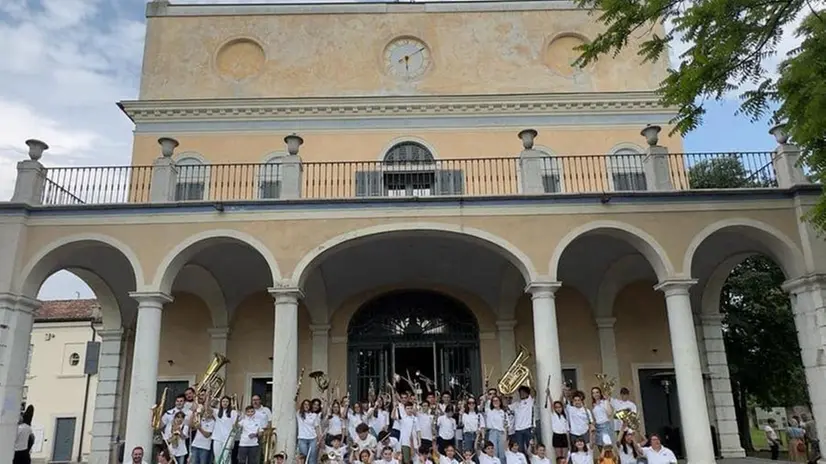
<point x="212" y="383"/>
<point x="517" y="373"/>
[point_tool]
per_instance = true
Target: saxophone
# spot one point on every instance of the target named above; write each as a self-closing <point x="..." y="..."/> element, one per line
<point x="175" y="434"/>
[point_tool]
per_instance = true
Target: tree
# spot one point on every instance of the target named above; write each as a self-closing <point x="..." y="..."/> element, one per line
<point x="759" y="329"/>
<point x="730" y="43"/>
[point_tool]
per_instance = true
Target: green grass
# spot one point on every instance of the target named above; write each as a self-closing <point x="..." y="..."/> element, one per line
<point x="758" y="439"/>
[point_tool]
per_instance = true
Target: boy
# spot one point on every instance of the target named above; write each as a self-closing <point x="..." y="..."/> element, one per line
<point x="248" y="450"/>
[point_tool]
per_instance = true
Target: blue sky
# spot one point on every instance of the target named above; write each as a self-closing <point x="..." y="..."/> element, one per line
<point x="66" y="62"/>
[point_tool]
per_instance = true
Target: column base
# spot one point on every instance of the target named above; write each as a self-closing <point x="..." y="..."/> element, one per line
<point x="729" y="453"/>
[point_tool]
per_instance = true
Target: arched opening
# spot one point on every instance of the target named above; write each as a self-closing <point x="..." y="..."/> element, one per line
<point x="78" y="345"/>
<point x="424" y="336"/>
<point x="749" y="341"/>
<point x="409" y="169"/>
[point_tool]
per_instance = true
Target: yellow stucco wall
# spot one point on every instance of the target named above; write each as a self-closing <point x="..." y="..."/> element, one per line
<point x="299" y="55"/>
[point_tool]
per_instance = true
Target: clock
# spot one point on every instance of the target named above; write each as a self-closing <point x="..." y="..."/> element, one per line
<point x="407" y="58"/>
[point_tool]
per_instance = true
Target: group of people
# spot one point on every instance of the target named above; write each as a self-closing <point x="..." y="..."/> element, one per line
<point x="801" y="436"/>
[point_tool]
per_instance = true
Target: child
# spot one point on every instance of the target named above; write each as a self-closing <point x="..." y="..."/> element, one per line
<point x="607" y="456"/>
<point x="202" y="443"/>
<point x="423" y="455"/>
<point x="538" y="456"/>
<point x="176" y="433"/>
<point x="489" y="455"/>
<point x="512" y="455"/>
<point x="467" y="456"/>
<point x="449" y="457"/>
<point x="387" y="456"/>
<point x="250" y="430"/>
<point x="364" y="440"/>
<point x="581" y="454"/>
<point x="336" y="448"/>
<point x="560" y="429"/>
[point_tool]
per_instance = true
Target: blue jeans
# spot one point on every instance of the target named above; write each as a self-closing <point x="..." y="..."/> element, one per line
<point x="468" y="439"/>
<point x="497" y="437"/>
<point x="523" y="439"/>
<point x="308" y="447"/>
<point x="605" y="431"/>
<point x="199" y="456"/>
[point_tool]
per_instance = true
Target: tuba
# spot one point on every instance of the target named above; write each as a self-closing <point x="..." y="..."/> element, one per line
<point x="629" y="418"/>
<point x="606" y="384"/>
<point x="212" y="382"/>
<point x="157" y="410"/>
<point x="516" y="374"/>
<point x="269" y="438"/>
<point x="321" y="380"/>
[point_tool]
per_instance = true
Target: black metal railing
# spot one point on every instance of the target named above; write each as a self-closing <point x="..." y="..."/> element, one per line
<point x="97" y="185"/>
<point x="570" y="174"/>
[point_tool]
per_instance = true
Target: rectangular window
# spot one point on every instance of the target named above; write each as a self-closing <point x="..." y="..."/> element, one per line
<point x="189" y="191"/>
<point x="176" y="387"/>
<point x="551" y="183"/>
<point x="262" y="386"/>
<point x="629" y="181"/>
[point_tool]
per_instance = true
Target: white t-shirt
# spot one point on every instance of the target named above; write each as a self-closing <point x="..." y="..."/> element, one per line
<point x="601" y="412"/>
<point x="581" y="457"/>
<point x="515" y="458"/>
<point x="485" y="459"/>
<point x="495" y="419"/>
<point x="223" y="425"/>
<point x="472" y="422"/>
<point x="523" y="414"/>
<point x="180" y="448"/>
<point x="167" y="418"/>
<point x="21" y="442"/>
<point x="663" y="456"/>
<point x="425" y="423"/>
<point x="335" y="426"/>
<point x="353" y="421"/>
<point x="559" y="424"/>
<point x="537" y="460"/>
<point x="200" y="441"/>
<point x="368" y="443"/>
<point x="620" y="405"/>
<point x="339" y="452"/>
<point x="307" y="425"/>
<point x="627" y="457"/>
<point x="249" y="426"/>
<point x="382" y="461"/>
<point x="578" y="419"/>
<point x="407" y="427"/>
<point x="447" y="427"/>
<point x="770" y="432"/>
<point x="446" y="460"/>
<point x="379" y="422"/>
<point x="263" y="415"/>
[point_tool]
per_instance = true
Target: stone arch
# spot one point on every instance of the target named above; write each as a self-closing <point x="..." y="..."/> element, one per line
<point x="777" y="245"/>
<point x="495" y="243"/>
<point x="642" y="241"/>
<point x="50" y="259"/>
<point x="200" y="282"/>
<point x="710" y="298"/>
<point x="175" y="260"/>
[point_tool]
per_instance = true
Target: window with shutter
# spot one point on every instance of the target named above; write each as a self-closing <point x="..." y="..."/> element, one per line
<point x="551" y="174"/>
<point x="269" y="180"/>
<point x="192" y="180"/>
<point x="625" y="171"/>
<point x="409" y="169"/>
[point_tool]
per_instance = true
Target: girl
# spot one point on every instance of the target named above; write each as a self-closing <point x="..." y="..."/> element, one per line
<point x="560" y="429"/>
<point x="175" y="434"/>
<point x="423" y="455"/>
<point x="355" y="416"/>
<point x="449" y="456"/>
<point x="581" y="454"/>
<point x="473" y="425"/>
<point x="334" y="424"/>
<point x="308" y="432"/>
<point x="378" y="418"/>
<point x="365" y="457"/>
<point x="163" y="457"/>
<point x="202" y="442"/>
<point x="447" y="430"/>
<point x="512" y="455"/>
<point x="602" y="414"/>
<point x="606" y="456"/>
<point x="225" y="419"/>
<point x="495" y="423"/>
<point x="628" y="453"/>
<point x="796" y="435"/>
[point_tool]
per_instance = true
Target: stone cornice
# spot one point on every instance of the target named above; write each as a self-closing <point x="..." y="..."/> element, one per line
<point x="165" y="8"/>
<point x="142" y="111"/>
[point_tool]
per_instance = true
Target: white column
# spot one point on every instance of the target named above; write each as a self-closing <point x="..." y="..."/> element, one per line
<point x="507" y="341"/>
<point x="218" y="344"/>
<point x="546" y="345"/>
<point x="106" y="398"/>
<point x="285" y="367"/>
<point x="712" y="330"/>
<point x="16" y="320"/>
<point x="808" y="296"/>
<point x="321" y="343"/>
<point x="608" y="346"/>
<point x="142" y="389"/>
<point x="695" y="426"/>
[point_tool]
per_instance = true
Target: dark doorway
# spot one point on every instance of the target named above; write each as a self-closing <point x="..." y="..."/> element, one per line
<point x="416" y="364"/>
<point x="175" y="388"/>
<point x="413" y="330"/>
<point x="262" y="387"/>
<point x="660" y="405"/>
<point x="64" y="439"/>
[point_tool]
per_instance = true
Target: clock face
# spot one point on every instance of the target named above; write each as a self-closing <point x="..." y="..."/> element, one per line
<point x="407" y="58"/>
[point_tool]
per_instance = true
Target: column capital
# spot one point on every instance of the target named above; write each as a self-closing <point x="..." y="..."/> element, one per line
<point x="542" y="288"/>
<point x="109" y="334"/>
<point x="805" y="283"/>
<point x="675" y="286"/>
<point x="606" y="322"/>
<point x="218" y="332"/>
<point x="286" y="293"/>
<point x="20" y="303"/>
<point x="320" y="330"/>
<point x="505" y="324"/>
<point x="151" y="298"/>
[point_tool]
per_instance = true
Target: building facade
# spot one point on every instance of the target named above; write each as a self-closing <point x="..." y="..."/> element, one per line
<point x="369" y="189"/>
<point x="59" y="383"/>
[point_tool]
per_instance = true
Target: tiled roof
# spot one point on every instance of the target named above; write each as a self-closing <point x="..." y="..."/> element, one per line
<point x="68" y="310"/>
